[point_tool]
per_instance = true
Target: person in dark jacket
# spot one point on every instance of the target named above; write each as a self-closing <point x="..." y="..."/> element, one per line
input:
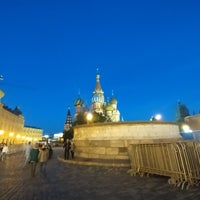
<point x="72" y="148"/>
<point x="67" y="146"/>
<point x="50" y="150"/>
<point x="34" y="158"/>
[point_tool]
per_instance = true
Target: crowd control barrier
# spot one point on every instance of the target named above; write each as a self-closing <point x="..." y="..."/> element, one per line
<point x="180" y="161"/>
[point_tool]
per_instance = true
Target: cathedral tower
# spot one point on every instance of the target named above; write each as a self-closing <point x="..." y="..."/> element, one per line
<point x="98" y="97"/>
<point x="68" y="122"/>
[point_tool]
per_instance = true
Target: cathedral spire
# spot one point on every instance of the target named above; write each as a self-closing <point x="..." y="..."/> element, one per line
<point x="98" y="85"/>
<point x="68" y="122"/>
<point x="98" y="96"/>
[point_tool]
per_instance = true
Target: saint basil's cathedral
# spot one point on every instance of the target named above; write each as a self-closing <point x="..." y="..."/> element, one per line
<point x="98" y="105"/>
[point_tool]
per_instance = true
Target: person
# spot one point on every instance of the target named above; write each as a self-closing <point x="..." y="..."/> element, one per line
<point x="27" y="150"/>
<point x="34" y="159"/>
<point x="43" y="157"/>
<point x="67" y="146"/>
<point x="1" y="146"/>
<point x="72" y="148"/>
<point x="4" y="152"/>
<point x="50" y="150"/>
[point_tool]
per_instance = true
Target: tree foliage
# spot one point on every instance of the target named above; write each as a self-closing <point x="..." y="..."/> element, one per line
<point x="98" y="117"/>
<point x="82" y="118"/>
<point x="181" y="112"/>
<point x="69" y="134"/>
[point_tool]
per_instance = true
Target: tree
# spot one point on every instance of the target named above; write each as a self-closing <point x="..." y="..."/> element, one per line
<point x="98" y="117"/>
<point x="80" y="119"/>
<point x="181" y="112"/>
<point x="68" y="134"/>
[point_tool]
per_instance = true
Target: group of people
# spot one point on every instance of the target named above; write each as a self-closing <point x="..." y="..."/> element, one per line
<point x="3" y="151"/>
<point x="37" y="154"/>
<point x="69" y="148"/>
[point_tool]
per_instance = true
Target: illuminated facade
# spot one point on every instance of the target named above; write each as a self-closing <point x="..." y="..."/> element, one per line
<point x="32" y="134"/>
<point x="98" y="104"/>
<point x="12" y="129"/>
<point x="11" y="125"/>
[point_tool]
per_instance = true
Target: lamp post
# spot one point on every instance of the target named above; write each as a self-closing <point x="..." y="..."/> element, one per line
<point x="186" y="128"/>
<point x="156" y="117"/>
<point x="89" y="117"/>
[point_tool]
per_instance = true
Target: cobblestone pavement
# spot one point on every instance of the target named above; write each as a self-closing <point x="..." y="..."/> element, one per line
<point x="69" y="181"/>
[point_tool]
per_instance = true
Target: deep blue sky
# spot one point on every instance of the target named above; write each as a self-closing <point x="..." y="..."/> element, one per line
<point x="147" y="52"/>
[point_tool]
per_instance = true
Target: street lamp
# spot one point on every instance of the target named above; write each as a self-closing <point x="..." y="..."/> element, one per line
<point x="156" y="117"/>
<point x="1" y="133"/>
<point x="89" y="117"/>
<point x="186" y="128"/>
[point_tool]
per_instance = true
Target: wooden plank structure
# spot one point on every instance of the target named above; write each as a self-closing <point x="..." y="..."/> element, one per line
<point x="180" y="161"/>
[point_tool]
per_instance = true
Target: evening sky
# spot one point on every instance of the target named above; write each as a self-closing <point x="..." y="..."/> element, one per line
<point x="147" y="53"/>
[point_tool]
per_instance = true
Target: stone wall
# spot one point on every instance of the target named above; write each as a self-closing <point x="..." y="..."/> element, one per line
<point x="193" y="121"/>
<point x="110" y="140"/>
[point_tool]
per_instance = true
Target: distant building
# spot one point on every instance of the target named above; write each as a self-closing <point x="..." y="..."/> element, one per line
<point x="68" y="122"/>
<point x="12" y="128"/>
<point x="32" y="133"/>
<point x="68" y="130"/>
<point x="98" y="105"/>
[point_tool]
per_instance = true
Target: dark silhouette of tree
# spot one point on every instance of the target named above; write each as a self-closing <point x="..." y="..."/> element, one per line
<point x="69" y="134"/>
<point x="181" y="112"/>
<point x="80" y="119"/>
<point x="98" y="117"/>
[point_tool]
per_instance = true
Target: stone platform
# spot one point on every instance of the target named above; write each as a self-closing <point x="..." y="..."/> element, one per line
<point x="110" y="141"/>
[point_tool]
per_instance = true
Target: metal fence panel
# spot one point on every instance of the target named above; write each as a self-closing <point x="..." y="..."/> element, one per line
<point x="180" y="161"/>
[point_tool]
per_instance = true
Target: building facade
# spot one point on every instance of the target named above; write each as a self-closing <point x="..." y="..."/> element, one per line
<point x="12" y="128"/>
<point x="32" y="134"/>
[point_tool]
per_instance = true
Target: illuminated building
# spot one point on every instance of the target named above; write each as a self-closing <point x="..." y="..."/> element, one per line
<point x="12" y="128"/>
<point x="98" y="105"/>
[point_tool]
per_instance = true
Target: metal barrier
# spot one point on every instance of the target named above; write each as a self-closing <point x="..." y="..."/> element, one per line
<point x="178" y="160"/>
